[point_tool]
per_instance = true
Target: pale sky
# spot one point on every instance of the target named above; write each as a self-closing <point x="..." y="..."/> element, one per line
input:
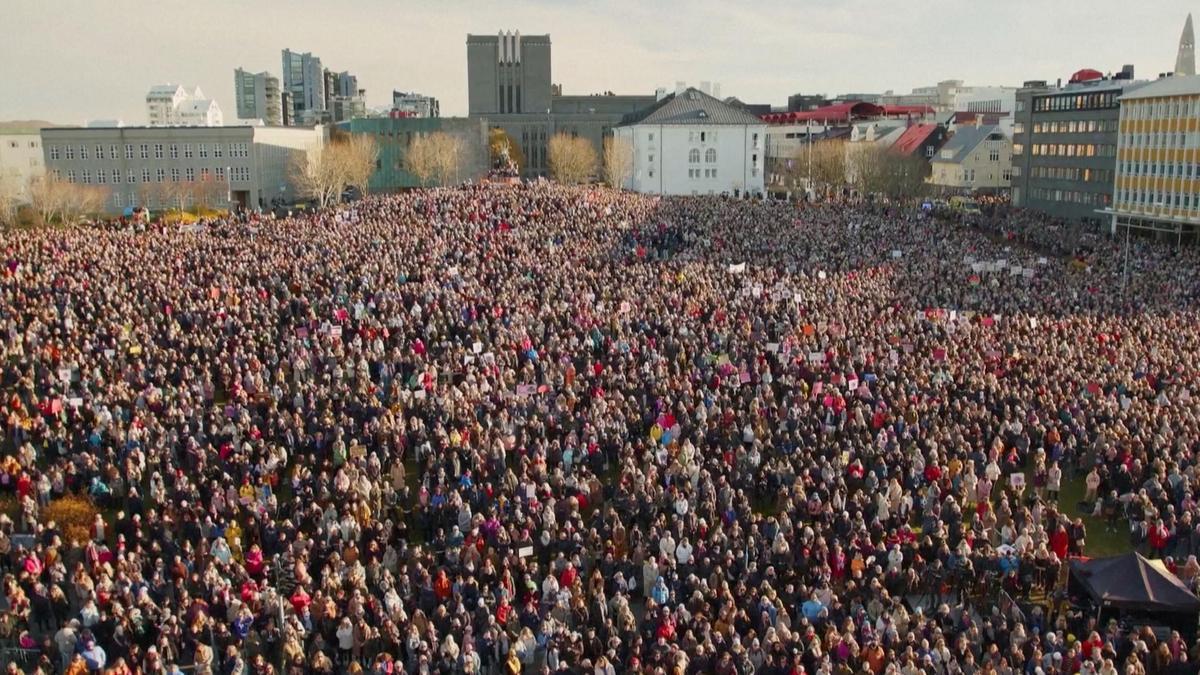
<point x="68" y="61"/>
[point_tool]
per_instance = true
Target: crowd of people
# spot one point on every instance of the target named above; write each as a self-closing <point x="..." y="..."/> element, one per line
<point x="543" y="429"/>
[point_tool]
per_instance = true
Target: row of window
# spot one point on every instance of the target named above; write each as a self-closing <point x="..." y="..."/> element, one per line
<point x="1073" y="196"/>
<point x="97" y="151"/>
<point x="14" y="144"/>
<point x="1161" y="139"/>
<point x="1060" y="102"/>
<point x="1069" y="149"/>
<point x="1159" y="199"/>
<point x="159" y="175"/>
<point x="705" y="136"/>
<point x="1072" y="173"/>
<point x="1070" y="127"/>
<point x="708" y="173"/>
<point x="1160" y="110"/>
<point x="1164" y="169"/>
<point x="968" y="175"/>
<point x="710" y="156"/>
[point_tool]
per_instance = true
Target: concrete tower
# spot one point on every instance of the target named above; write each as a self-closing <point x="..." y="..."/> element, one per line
<point x="1185" y="62"/>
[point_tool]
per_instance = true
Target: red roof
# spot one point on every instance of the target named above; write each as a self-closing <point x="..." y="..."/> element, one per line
<point x="1087" y="75"/>
<point x="840" y="112"/>
<point x="913" y="138"/>
<point x="898" y="110"/>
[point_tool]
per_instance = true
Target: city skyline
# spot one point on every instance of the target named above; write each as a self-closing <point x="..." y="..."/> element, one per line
<point x="760" y="53"/>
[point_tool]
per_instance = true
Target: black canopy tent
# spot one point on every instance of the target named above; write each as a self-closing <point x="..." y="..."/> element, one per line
<point x="1131" y="588"/>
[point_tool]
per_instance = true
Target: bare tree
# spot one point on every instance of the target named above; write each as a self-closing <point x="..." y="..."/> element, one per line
<point x="48" y="195"/>
<point x="448" y="150"/>
<point x="572" y="159"/>
<point x="207" y="191"/>
<point x="618" y="161"/>
<point x="360" y="154"/>
<point x="419" y="158"/>
<point x="828" y="164"/>
<point x="9" y="193"/>
<point x="879" y="170"/>
<point x="57" y="200"/>
<point x="319" y="173"/>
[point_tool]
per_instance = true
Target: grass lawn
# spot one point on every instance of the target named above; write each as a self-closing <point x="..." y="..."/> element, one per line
<point x="1099" y="542"/>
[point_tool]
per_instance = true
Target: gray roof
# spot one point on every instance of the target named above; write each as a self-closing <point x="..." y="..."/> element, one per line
<point x="1178" y="85"/>
<point x="691" y="106"/>
<point x="965" y="139"/>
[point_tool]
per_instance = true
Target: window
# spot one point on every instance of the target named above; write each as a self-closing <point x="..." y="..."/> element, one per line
<point x="189" y="174"/>
<point x="187" y="150"/>
<point x="929" y="149"/>
<point x="117" y="199"/>
<point x="116" y="176"/>
<point x="994" y="155"/>
<point x="174" y="151"/>
<point x="85" y="177"/>
<point x="203" y="150"/>
<point x="100" y="151"/>
<point x="131" y="177"/>
<point x="694" y="156"/>
<point x="220" y="173"/>
<point x="146" y="175"/>
<point x="112" y="151"/>
<point x="54" y="152"/>
<point x="160" y="174"/>
<point x="651" y="158"/>
<point x="710" y="156"/>
<point x="145" y="151"/>
<point x="651" y="135"/>
<point x="158" y="151"/>
<point x="83" y="153"/>
<point x="652" y="173"/>
<point x="128" y="151"/>
<point x="70" y="175"/>
<point x="174" y="174"/>
<point x="204" y="175"/>
<point x="1018" y="149"/>
<point x="703" y="135"/>
<point x="217" y="150"/>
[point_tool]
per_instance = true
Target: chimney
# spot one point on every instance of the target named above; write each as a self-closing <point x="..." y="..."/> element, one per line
<point x="680" y="85"/>
<point x="706" y="87"/>
<point x="660" y="93"/>
<point x="978" y="121"/>
<point x="716" y="92"/>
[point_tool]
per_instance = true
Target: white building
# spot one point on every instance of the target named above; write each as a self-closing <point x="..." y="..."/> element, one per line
<point x="170" y="105"/>
<point x="691" y="143"/>
<point x="149" y="166"/>
<point x="415" y="105"/>
<point x="20" y="160"/>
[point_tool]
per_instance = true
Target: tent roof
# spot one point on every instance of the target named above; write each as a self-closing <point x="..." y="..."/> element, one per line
<point x="1131" y="581"/>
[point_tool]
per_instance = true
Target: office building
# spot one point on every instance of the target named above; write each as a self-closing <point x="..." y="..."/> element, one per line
<point x="509" y="85"/>
<point x="303" y="80"/>
<point x="412" y="104"/>
<point x="803" y="102"/>
<point x="692" y="143"/>
<point x="1157" y="165"/>
<point x="172" y="105"/>
<point x="20" y="160"/>
<point x="340" y="85"/>
<point x="975" y="159"/>
<point x="393" y="134"/>
<point x="1065" y="143"/>
<point x="258" y="97"/>
<point x="343" y="108"/>
<point x="243" y="166"/>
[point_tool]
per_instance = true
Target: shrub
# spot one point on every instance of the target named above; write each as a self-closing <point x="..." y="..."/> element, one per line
<point x="73" y="514"/>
